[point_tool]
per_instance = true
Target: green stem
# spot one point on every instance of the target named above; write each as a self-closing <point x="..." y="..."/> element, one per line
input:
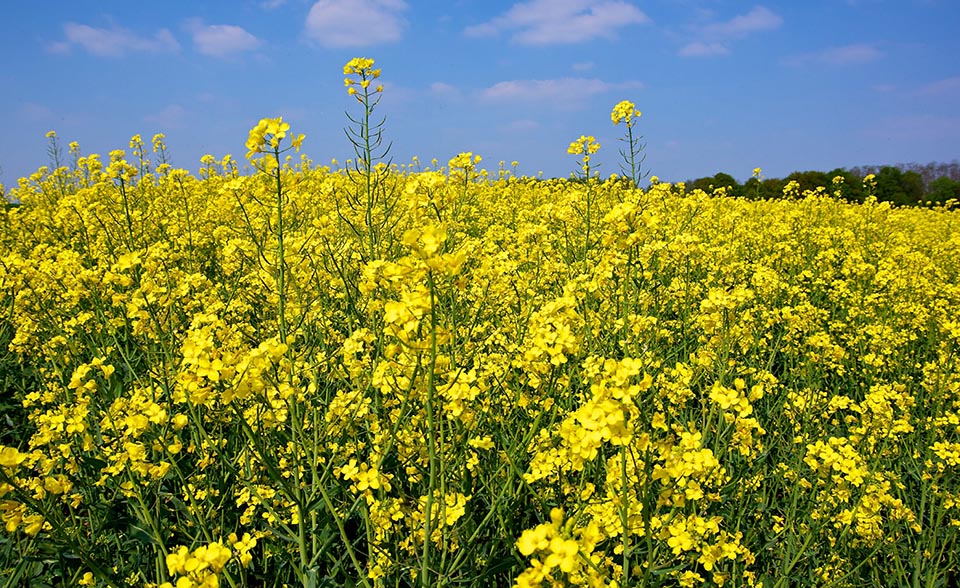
<point x="431" y="441"/>
<point x="281" y="269"/>
<point x="368" y="169"/>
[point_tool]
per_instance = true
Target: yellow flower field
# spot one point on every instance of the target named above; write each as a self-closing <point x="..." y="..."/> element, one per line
<point x="382" y="375"/>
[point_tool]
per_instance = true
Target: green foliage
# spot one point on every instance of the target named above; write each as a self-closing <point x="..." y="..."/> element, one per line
<point x="893" y="185"/>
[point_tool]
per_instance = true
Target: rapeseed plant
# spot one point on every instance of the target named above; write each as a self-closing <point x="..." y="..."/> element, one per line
<point x="633" y="157"/>
<point x="397" y="376"/>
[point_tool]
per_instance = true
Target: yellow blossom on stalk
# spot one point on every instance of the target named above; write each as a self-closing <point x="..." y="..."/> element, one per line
<point x="625" y="112"/>
<point x="198" y="568"/>
<point x="362" y="68"/>
<point x="269" y="132"/>
<point x="585" y="145"/>
<point x="243" y="545"/>
<point x="465" y="161"/>
<point x="359" y="66"/>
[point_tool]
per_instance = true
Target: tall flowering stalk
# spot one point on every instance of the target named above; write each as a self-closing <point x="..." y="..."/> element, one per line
<point x="265" y="138"/>
<point x="585" y="147"/>
<point x="633" y="156"/>
<point x="368" y="171"/>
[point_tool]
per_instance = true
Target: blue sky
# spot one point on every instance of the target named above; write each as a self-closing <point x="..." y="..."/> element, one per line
<point x="723" y="85"/>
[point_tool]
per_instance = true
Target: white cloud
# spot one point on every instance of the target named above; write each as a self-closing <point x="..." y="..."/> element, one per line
<point x="944" y="87"/>
<point x="714" y="38"/>
<point x="849" y="55"/>
<point x="856" y="54"/>
<point x="701" y="49"/>
<point x="545" y="22"/>
<point x="114" y="42"/>
<point x="561" y="93"/>
<point x="445" y="90"/>
<point x="271" y="4"/>
<point x="757" y="20"/>
<point x="355" y="23"/>
<point x="36" y="112"/>
<point x="170" y="117"/>
<point x="583" y="66"/>
<point x="221" y="40"/>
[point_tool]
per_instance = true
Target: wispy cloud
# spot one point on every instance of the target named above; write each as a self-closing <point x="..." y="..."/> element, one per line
<point x="944" y="87"/>
<point x="583" y="66"/>
<point x="272" y="4"/>
<point x="714" y="38"/>
<point x="700" y="49"/>
<point x="36" y="112"/>
<point x="171" y="117"/>
<point x="444" y="90"/>
<point x="856" y="54"/>
<point x="546" y="22"/>
<point x="114" y="41"/>
<point x="220" y="40"/>
<point x="560" y="93"/>
<point x="757" y="20"/>
<point x="355" y="23"/>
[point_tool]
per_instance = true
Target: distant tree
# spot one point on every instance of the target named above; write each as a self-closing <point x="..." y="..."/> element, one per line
<point x="851" y="188"/>
<point x="700" y="184"/>
<point x="929" y="172"/>
<point x="771" y="188"/>
<point x="809" y="180"/>
<point x="943" y="189"/>
<point x="723" y="180"/>
<point x="720" y="180"/>
<point x="889" y="188"/>
<point x="912" y="185"/>
<point x="901" y="184"/>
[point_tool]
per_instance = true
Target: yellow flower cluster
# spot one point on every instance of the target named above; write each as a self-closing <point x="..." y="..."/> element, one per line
<point x="625" y="112"/>
<point x="585" y="145"/>
<point x="269" y="132"/>
<point x="556" y="549"/>
<point x="199" y="568"/>
<point x="362" y="68"/>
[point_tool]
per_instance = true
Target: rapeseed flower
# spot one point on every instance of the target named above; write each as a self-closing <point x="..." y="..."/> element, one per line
<point x="625" y="112"/>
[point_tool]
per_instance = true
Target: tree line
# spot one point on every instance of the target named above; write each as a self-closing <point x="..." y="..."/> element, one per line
<point x="900" y="184"/>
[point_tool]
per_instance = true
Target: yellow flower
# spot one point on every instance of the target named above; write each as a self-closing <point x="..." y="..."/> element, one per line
<point x="585" y="145"/>
<point x="297" y="141"/>
<point x="269" y="131"/>
<point x="32" y="524"/>
<point x="10" y="457"/>
<point x="624" y="112"/>
<point x="361" y="66"/>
